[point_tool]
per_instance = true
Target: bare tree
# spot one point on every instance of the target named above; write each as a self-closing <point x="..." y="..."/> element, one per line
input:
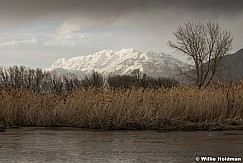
<point x="93" y="80"/>
<point x="136" y="73"/>
<point x="205" y="45"/>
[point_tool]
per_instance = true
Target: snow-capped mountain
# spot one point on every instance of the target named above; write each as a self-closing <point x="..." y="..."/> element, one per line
<point x="120" y="62"/>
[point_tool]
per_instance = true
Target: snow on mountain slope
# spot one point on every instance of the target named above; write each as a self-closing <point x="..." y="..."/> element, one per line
<point x="120" y="62"/>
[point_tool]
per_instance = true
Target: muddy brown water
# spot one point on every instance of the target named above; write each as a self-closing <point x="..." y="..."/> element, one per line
<point x="80" y="145"/>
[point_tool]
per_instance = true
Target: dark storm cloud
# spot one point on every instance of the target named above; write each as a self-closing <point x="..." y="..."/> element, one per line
<point x="141" y="24"/>
<point x="14" y="11"/>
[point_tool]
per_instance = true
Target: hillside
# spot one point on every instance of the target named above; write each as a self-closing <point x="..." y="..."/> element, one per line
<point x="231" y="67"/>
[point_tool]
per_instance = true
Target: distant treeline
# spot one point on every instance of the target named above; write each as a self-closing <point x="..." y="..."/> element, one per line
<point x="37" y="80"/>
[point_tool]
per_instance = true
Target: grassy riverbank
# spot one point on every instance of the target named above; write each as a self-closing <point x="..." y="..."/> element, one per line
<point x="174" y="108"/>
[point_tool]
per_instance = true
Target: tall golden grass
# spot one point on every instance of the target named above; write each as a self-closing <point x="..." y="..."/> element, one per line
<point x="174" y="108"/>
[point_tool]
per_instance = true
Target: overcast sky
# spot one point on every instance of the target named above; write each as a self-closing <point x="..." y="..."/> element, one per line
<point x="35" y="33"/>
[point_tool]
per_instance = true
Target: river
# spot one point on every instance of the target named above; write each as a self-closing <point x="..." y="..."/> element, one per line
<point x="46" y="144"/>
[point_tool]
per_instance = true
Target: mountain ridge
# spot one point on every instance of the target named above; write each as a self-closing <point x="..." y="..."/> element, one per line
<point x="231" y="66"/>
<point x="120" y="62"/>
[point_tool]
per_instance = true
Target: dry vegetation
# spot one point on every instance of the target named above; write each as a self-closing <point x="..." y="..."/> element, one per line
<point x="164" y="108"/>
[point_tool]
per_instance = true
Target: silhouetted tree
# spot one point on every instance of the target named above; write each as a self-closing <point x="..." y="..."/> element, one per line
<point x="137" y="74"/>
<point x="205" y="45"/>
<point x="93" y="80"/>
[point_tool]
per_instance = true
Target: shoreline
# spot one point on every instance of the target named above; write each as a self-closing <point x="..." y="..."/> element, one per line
<point x="184" y="127"/>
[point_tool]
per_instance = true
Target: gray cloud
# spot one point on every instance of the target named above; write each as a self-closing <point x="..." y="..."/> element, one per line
<point x="19" y="11"/>
<point x="141" y="24"/>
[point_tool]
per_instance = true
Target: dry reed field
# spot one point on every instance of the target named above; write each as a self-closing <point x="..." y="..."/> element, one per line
<point x="174" y="108"/>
